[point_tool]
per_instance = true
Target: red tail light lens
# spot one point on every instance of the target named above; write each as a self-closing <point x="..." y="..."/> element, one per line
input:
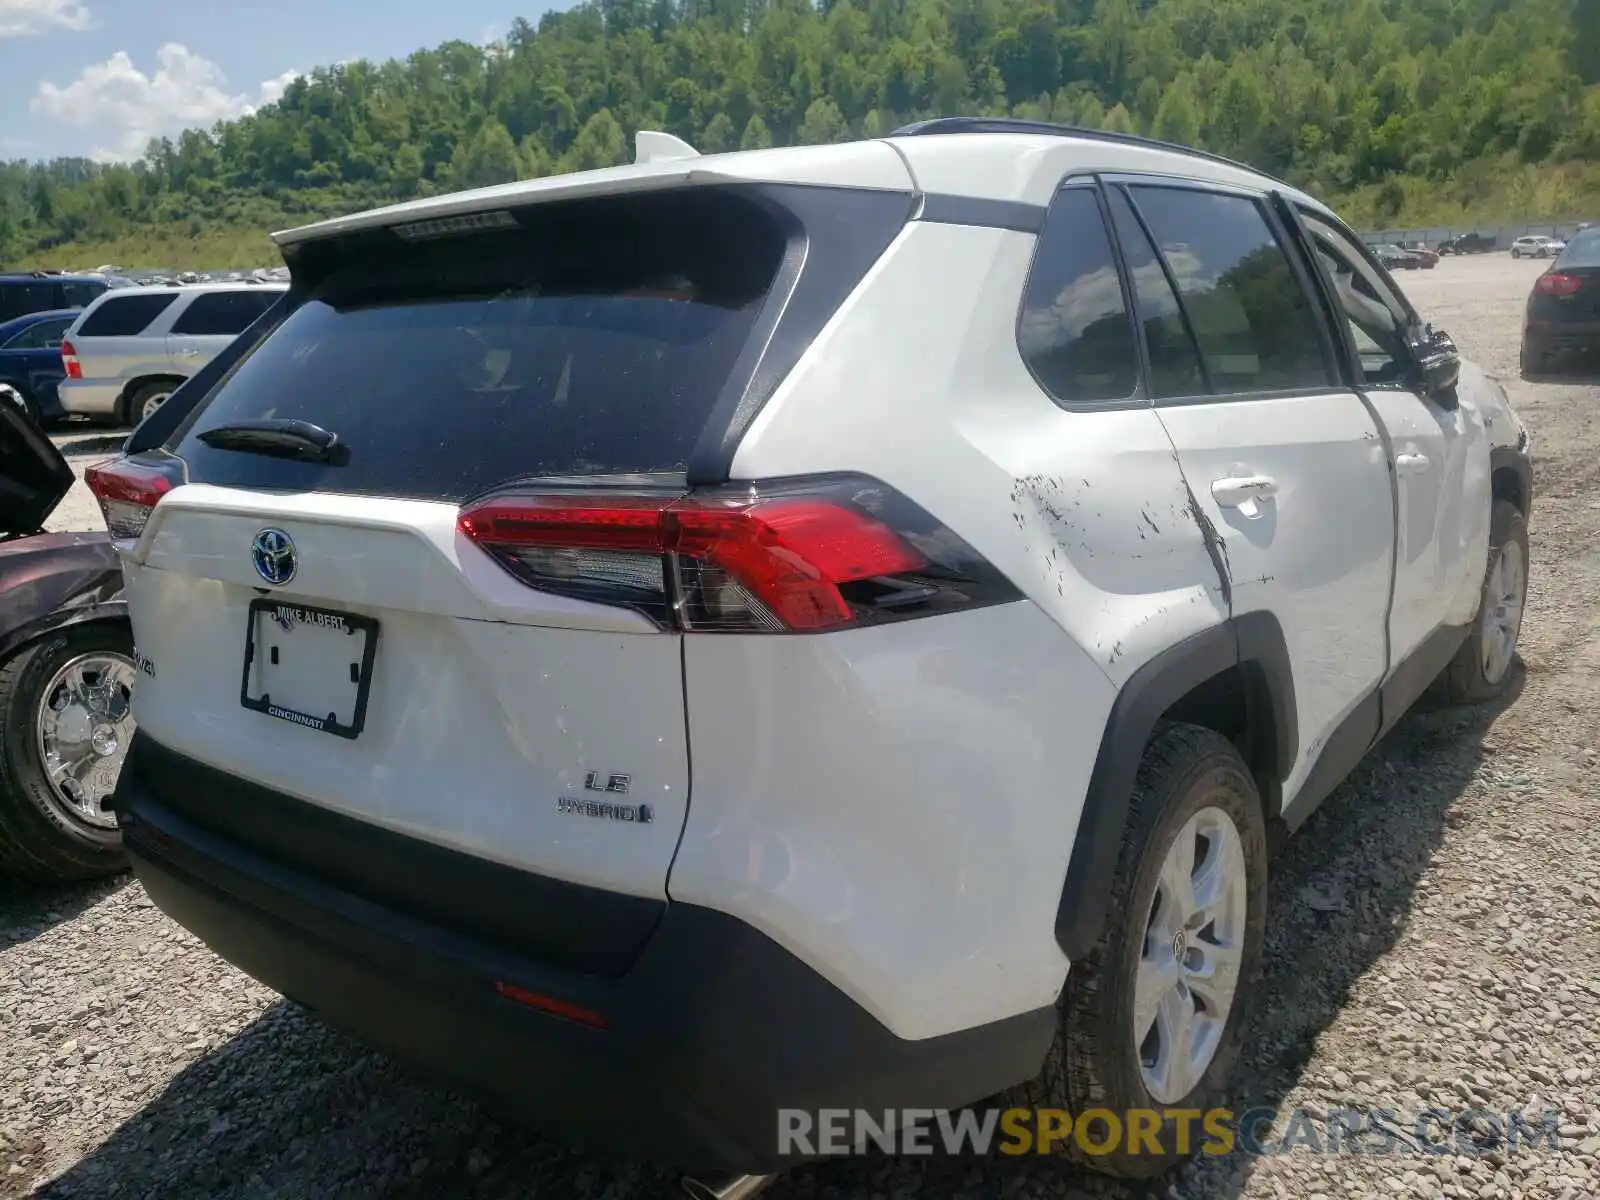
<point x="69" y="360"/>
<point x="128" y="491"/>
<point x="1557" y="284"/>
<point x="798" y="559"/>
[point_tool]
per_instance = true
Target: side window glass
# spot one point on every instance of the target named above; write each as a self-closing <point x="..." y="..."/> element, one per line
<point x="1075" y="334"/>
<point x="218" y="313"/>
<point x="1372" y="309"/>
<point x="126" y="316"/>
<point x="39" y="336"/>
<point x="79" y="294"/>
<point x="1174" y="361"/>
<point x="1255" y="324"/>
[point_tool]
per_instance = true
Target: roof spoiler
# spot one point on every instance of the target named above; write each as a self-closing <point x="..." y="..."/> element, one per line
<point x="650" y="145"/>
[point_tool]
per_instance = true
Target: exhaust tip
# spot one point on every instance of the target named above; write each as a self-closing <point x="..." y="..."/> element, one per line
<point x="739" y="1187"/>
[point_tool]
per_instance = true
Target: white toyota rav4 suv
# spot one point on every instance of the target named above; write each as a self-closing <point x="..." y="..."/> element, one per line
<point x="833" y="627"/>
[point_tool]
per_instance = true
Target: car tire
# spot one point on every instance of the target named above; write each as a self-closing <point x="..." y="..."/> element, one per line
<point x="148" y="396"/>
<point x="1482" y="668"/>
<point x="1192" y="786"/>
<point x="1533" y="362"/>
<point x="47" y="832"/>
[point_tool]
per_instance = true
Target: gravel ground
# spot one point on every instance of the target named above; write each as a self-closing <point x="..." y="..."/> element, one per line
<point x="1434" y="942"/>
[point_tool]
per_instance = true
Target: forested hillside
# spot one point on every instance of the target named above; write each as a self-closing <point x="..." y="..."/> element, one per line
<point x="1419" y="109"/>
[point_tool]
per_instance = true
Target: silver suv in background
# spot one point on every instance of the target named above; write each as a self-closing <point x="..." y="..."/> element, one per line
<point x="132" y="348"/>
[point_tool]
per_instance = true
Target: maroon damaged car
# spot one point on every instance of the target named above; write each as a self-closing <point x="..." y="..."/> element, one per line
<point x="66" y="672"/>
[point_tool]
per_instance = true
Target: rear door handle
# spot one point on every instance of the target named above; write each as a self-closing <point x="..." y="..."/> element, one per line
<point x="1410" y="464"/>
<point x="1243" y="492"/>
<point x="186" y="353"/>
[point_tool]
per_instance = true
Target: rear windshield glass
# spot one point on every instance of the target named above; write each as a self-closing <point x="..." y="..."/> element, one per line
<point x="1582" y="251"/>
<point x="593" y="339"/>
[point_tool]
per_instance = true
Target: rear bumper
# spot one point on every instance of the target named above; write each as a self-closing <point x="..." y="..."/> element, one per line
<point x="88" y="397"/>
<point x="1547" y="337"/>
<point x="710" y="1031"/>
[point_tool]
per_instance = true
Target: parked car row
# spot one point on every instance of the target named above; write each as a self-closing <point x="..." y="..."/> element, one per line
<point x="119" y="356"/>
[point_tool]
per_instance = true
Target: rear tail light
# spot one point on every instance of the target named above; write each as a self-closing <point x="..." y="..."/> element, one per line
<point x="128" y="490"/>
<point x="793" y="558"/>
<point x="69" y="360"/>
<point x="1557" y="284"/>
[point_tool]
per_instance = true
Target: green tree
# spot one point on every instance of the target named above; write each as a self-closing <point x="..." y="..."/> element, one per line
<point x="823" y="125"/>
<point x="489" y="156"/>
<point x="1119" y="120"/>
<point x="719" y="135"/>
<point x="600" y="143"/>
<point x="1177" y="117"/>
<point x="756" y="136"/>
<point x="1584" y="48"/>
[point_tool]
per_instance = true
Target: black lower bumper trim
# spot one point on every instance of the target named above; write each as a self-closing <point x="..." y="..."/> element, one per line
<point x="713" y="1029"/>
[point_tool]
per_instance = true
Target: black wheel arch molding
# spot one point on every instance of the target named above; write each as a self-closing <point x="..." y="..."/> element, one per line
<point x="1252" y="648"/>
<point x="1515" y="461"/>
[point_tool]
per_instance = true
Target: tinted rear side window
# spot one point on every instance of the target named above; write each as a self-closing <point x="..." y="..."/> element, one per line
<point x="227" y="313"/>
<point x="1076" y="335"/>
<point x="78" y="295"/>
<point x="593" y="339"/>
<point x="125" y="316"/>
<point x="1255" y="324"/>
<point x="20" y="299"/>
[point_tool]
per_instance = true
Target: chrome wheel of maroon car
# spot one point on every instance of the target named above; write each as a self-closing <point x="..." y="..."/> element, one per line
<point x="84" y="725"/>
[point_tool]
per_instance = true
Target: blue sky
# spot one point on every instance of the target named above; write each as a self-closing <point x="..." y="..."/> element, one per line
<point x="101" y="77"/>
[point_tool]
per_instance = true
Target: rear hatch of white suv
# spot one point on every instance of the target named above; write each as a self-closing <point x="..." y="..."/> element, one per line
<point x="362" y="569"/>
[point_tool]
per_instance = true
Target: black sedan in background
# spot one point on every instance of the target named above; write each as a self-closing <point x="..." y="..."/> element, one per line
<point x="1562" y="326"/>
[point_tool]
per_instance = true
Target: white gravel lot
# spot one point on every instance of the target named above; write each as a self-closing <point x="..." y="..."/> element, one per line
<point x="1434" y="942"/>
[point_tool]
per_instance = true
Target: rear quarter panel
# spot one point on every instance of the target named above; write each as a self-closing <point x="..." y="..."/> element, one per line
<point x="53" y="580"/>
<point x="898" y="806"/>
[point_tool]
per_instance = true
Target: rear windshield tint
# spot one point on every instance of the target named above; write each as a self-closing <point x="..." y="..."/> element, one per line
<point x="126" y="316"/>
<point x="1582" y="251"/>
<point x="593" y="339"/>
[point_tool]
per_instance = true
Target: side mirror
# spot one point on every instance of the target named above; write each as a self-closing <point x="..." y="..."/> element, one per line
<point x="1438" y="366"/>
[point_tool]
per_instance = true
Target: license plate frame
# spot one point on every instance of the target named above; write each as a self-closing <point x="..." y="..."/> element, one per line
<point x="267" y="608"/>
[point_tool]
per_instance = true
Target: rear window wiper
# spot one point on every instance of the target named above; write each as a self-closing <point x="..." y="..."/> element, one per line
<point x="280" y="438"/>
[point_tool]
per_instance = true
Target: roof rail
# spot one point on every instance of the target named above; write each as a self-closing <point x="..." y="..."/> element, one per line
<point x="1049" y="128"/>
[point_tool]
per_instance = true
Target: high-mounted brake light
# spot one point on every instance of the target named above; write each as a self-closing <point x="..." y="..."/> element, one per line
<point x="796" y="559"/>
<point x="128" y="491"/>
<point x="1557" y="284"/>
<point x="69" y="361"/>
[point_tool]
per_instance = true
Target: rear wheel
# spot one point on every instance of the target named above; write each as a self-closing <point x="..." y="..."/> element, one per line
<point x="145" y="400"/>
<point x="1482" y="667"/>
<point x="65" y="724"/>
<point x="1153" y="1017"/>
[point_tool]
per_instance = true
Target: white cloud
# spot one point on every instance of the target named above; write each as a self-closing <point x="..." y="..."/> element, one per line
<point x="272" y="89"/>
<point x="25" y="18"/>
<point x="125" y="108"/>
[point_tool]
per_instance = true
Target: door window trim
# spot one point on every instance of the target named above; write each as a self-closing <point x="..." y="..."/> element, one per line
<point x="1310" y="286"/>
<point x="1409" y="318"/>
